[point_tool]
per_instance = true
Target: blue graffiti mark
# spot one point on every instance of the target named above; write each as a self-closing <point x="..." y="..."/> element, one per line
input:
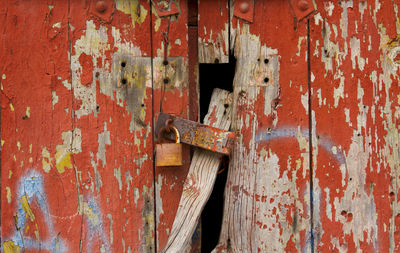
<point x="31" y="186"/>
<point x="325" y="142"/>
<point x="96" y="227"/>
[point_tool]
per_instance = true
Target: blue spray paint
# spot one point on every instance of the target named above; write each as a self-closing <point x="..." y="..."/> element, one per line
<point x="31" y="186"/>
<point x="325" y="142"/>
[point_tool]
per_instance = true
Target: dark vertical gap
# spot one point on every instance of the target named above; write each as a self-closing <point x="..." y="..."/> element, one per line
<point x="152" y="130"/>
<point x="310" y="130"/>
<point x="193" y="67"/>
<point x="214" y="76"/>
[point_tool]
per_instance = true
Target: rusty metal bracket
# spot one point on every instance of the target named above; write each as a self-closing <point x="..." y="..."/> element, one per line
<point x="302" y="8"/>
<point x="196" y="134"/>
<point x="165" y="7"/>
<point x="244" y="9"/>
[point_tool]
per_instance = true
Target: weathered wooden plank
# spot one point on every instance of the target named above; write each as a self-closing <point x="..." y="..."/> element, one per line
<point x="267" y="204"/>
<point x="171" y="95"/>
<point x="36" y="129"/>
<point x="112" y="88"/>
<point x="355" y="109"/>
<point x="200" y="180"/>
<point x="213" y="31"/>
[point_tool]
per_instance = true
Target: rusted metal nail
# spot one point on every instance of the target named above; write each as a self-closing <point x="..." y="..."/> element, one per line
<point x="101" y="6"/>
<point x="244" y="7"/>
<point x="303" y="5"/>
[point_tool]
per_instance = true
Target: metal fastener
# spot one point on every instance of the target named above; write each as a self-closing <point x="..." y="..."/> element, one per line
<point x="303" y="5"/>
<point x="244" y="7"/>
<point x="101" y="6"/>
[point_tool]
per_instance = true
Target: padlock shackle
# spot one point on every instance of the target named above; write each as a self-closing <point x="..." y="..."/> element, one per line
<point x="177" y="135"/>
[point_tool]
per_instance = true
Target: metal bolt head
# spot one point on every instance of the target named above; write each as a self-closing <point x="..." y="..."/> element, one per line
<point x="244" y="7"/>
<point x="303" y="5"/>
<point x="101" y="6"/>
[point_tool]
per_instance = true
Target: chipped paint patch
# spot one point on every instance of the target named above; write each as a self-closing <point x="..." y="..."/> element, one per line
<point x="46" y="160"/>
<point x="26" y="207"/>
<point x="10" y="247"/>
<point x="54" y="99"/>
<point x="117" y="175"/>
<point x="8" y="194"/>
<point x="137" y="11"/>
<point x="28" y="112"/>
<point x="109" y="216"/>
<point x="103" y="140"/>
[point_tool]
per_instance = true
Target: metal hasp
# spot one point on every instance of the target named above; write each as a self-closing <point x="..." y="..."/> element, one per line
<point x="165" y="7"/>
<point x="199" y="135"/>
<point x="244" y="9"/>
<point x="302" y="8"/>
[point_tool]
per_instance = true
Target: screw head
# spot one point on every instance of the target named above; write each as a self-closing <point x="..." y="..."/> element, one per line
<point x="244" y="7"/>
<point x="303" y="5"/>
<point x="101" y="6"/>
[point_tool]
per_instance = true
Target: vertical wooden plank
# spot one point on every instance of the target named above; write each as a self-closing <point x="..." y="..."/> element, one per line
<point x="213" y="22"/>
<point x="355" y="120"/>
<point x="267" y="204"/>
<point x="171" y="95"/>
<point x="112" y="88"/>
<point x="201" y="177"/>
<point x="37" y="179"/>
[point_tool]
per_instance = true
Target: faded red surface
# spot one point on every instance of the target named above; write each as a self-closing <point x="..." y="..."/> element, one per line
<point x="355" y="103"/>
<point x="213" y="25"/>
<point x="76" y="175"/>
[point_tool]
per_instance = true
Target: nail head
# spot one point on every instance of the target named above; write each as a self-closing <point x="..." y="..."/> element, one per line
<point x="101" y="6"/>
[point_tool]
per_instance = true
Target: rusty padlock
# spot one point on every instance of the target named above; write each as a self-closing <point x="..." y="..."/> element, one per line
<point x="169" y="154"/>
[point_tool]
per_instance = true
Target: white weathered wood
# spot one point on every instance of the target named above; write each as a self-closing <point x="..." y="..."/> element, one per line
<point x="266" y="206"/>
<point x="201" y="177"/>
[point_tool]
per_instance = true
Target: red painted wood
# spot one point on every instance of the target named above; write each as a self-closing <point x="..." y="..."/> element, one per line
<point x="78" y="102"/>
<point x="355" y="107"/>
<point x="173" y="97"/>
<point x="36" y="109"/>
<point x="213" y="23"/>
<point x="82" y="175"/>
<point x="115" y="169"/>
<point x="267" y="205"/>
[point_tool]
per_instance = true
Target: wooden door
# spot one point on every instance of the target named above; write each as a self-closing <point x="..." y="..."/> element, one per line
<point x="82" y="83"/>
<point x="315" y="107"/>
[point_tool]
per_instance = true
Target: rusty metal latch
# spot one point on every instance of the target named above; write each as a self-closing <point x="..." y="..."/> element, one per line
<point x="196" y="134"/>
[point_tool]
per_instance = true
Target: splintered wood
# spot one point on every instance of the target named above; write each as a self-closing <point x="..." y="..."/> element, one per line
<point x="201" y="177"/>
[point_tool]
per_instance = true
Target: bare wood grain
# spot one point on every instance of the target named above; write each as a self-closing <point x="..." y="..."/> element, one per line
<point x="201" y="177"/>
